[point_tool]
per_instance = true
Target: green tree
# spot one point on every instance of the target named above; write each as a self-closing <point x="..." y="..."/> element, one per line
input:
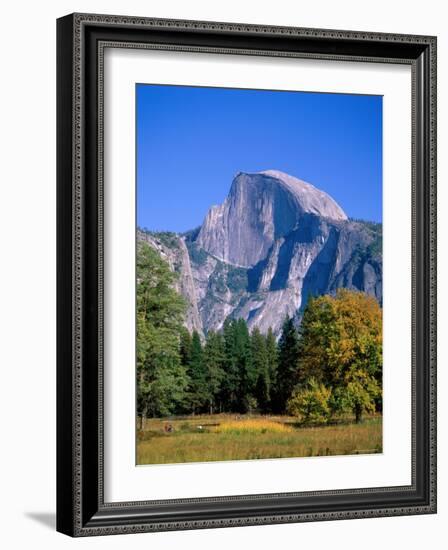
<point x="260" y="364"/>
<point x="288" y="364"/>
<point x="185" y="346"/>
<point x="161" y="378"/>
<point x="246" y="372"/>
<point x="239" y="380"/>
<point x="157" y="300"/>
<point x="214" y="366"/>
<point x="358" y="394"/>
<point x="231" y="380"/>
<point x="198" y="391"/>
<point x="272" y="360"/>
<point x="341" y="347"/>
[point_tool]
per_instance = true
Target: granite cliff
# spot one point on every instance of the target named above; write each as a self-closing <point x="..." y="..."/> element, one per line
<point x="260" y="209"/>
<point x="273" y="242"/>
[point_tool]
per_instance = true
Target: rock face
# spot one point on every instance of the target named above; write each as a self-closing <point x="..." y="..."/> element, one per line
<point x="273" y="242"/>
<point x="260" y="209"/>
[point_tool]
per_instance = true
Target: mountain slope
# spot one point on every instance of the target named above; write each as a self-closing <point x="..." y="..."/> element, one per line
<point x="172" y="249"/>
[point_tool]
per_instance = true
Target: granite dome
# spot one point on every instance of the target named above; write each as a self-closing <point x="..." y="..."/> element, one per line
<point x="260" y="208"/>
<point x="273" y="242"/>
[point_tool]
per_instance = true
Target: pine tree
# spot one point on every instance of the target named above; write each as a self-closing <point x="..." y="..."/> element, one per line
<point x="231" y="380"/>
<point x="214" y="358"/>
<point x="261" y="368"/>
<point x="247" y="374"/>
<point x="185" y="346"/>
<point x="288" y="367"/>
<point x="198" y="394"/>
<point x="272" y="360"/>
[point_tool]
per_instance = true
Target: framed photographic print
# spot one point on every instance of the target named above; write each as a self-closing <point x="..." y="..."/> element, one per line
<point x="246" y="274"/>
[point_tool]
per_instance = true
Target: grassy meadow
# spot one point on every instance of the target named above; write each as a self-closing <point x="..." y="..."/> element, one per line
<point x="204" y="438"/>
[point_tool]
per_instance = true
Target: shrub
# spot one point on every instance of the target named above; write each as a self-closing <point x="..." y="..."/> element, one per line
<point x="310" y="404"/>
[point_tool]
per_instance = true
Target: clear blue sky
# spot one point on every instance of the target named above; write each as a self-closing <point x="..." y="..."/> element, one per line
<point x="191" y="141"/>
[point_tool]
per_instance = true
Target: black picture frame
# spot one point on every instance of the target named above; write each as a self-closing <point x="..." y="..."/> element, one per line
<point x="81" y="510"/>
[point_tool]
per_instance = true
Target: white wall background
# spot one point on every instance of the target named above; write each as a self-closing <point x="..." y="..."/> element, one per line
<point x="27" y="275"/>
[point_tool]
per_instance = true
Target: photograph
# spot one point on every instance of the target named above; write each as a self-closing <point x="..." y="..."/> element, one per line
<point x="246" y="273"/>
<point x="258" y="274"/>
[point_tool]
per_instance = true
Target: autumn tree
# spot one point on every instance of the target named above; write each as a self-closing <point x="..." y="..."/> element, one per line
<point x="341" y="348"/>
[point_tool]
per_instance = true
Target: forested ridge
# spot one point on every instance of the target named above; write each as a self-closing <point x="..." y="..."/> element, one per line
<point x="330" y="365"/>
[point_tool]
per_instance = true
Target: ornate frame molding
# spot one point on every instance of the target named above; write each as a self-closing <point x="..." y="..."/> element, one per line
<point x="81" y="42"/>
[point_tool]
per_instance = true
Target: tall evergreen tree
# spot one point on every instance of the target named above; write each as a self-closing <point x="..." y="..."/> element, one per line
<point x="198" y="392"/>
<point x="231" y="380"/>
<point x="272" y="360"/>
<point x="288" y="367"/>
<point x="247" y="374"/>
<point x="261" y="368"/>
<point x="214" y="359"/>
<point x="185" y="346"/>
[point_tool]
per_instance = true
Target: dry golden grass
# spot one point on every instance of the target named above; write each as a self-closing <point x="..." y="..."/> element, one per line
<point x="224" y="437"/>
<point x="252" y="426"/>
